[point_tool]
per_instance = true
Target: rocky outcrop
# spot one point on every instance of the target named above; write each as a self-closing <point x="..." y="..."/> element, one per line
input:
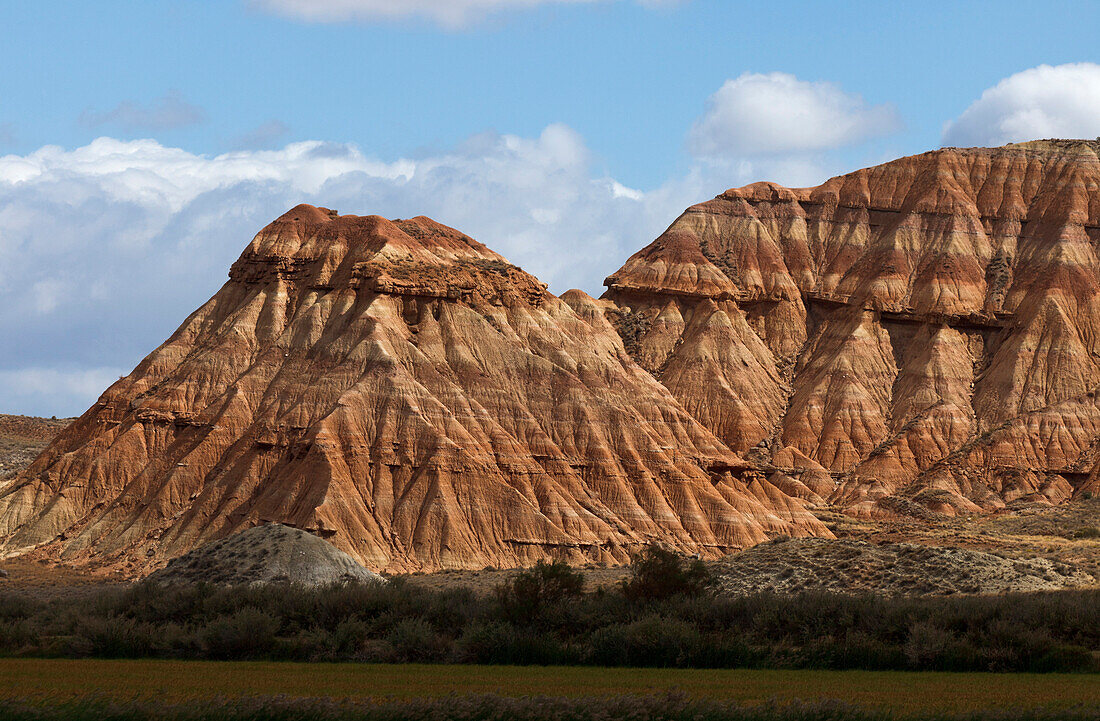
<point x="926" y="330"/>
<point x="267" y="554"/>
<point x="407" y="394"/>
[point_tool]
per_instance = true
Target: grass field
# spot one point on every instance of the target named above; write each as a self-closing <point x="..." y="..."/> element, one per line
<point x="185" y="680"/>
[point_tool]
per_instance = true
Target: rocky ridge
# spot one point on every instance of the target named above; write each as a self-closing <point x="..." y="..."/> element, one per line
<point x="400" y="390"/>
<point x="920" y="336"/>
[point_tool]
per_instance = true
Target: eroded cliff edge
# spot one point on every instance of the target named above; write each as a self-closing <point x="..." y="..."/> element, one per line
<point x="920" y="335"/>
<point x="401" y="390"/>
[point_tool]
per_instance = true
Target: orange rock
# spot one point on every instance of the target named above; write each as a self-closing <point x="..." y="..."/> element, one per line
<point x="406" y="393"/>
<point x="929" y="327"/>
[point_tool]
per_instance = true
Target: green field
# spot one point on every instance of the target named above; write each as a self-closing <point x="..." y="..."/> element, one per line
<point x="185" y="680"/>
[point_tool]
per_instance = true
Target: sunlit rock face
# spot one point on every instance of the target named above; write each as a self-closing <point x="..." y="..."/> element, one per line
<point x="407" y="394"/>
<point x="921" y="333"/>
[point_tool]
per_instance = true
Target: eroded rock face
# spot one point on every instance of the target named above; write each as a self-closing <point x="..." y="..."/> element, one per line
<point x="402" y="391"/>
<point x="926" y="330"/>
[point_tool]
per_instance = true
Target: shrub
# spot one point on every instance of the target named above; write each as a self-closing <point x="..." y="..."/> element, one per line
<point x="541" y="585"/>
<point x="503" y="643"/>
<point x="249" y="633"/>
<point x="651" y="641"/>
<point x="658" y="573"/>
<point x="414" y="641"/>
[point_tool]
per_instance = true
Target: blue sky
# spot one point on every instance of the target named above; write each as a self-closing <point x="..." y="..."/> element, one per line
<point x="552" y="130"/>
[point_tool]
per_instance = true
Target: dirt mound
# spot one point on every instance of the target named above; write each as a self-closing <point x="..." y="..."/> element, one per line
<point x="272" y="553"/>
<point x="895" y="569"/>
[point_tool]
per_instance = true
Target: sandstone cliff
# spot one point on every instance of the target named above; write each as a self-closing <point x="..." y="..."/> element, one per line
<point x="926" y="331"/>
<point x="404" y="392"/>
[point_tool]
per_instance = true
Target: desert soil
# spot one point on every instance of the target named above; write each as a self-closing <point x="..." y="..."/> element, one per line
<point x="22" y="438"/>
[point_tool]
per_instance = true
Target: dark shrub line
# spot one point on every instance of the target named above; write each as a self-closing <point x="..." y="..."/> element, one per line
<point x="662" y="616"/>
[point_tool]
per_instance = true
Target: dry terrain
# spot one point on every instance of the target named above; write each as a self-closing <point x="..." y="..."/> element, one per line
<point x="800" y="565"/>
<point x="22" y="438"/>
<point x="181" y="680"/>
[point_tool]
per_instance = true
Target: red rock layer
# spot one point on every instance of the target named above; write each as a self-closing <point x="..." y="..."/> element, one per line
<point x="406" y="393"/>
<point x="925" y="330"/>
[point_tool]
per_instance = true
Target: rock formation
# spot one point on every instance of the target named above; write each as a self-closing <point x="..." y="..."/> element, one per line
<point x="271" y="553"/>
<point x="924" y="334"/>
<point x="402" y="391"/>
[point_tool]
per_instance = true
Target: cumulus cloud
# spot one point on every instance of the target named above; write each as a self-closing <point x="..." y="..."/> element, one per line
<point x="165" y="113"/>
<point x="776" y="113"/>
<point x="447" y="13"/>
<point x="106" y="248"/>
<point x="1061" y="101"/>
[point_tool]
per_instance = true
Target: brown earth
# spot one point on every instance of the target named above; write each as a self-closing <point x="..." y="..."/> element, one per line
<point x="801" y="565"/>
<point x="1057" y="533"/>
<point x="22" y="438"/>
<point x="920" y="336"/>
<point x="402" y="391"/>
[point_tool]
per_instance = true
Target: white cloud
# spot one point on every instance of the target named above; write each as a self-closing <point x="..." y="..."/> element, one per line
<point x="1061" y="101"/>
<point x="165" y="113"/>
<point x="447" y="13"/>
<point x="776" y="113"/>
<point x="106" y="248"/>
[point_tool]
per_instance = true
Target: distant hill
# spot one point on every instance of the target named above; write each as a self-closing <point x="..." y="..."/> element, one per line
<point x="22" y="438"/>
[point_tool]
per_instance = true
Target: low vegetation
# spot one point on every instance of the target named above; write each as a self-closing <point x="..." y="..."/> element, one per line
<point x="668" y="707"/>
<point x="663" y="615"/>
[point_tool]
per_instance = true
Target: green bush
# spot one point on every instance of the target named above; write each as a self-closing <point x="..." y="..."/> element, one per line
<point x="414" y="641"/>
<point x="658" y="573"/>
<point x="1041" y="632"/>
<point x="544" y="584"/>
<point x="651" y="641"/>
<point x="503" y="643"/>
<point x="248" y="633"/>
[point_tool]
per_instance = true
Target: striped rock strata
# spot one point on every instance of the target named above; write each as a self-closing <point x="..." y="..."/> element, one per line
<point x="924" y="334"/>
<point x="404" y="392"/>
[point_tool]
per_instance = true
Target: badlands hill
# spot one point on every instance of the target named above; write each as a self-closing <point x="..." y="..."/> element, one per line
<point x="921" y="336"/>
<point x="403" y="392"/>
<point x="917" y="339"/>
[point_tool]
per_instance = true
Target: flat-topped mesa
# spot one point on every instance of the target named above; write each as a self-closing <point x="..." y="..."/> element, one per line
<point x="315" y="248"/>
<point x="402" y="391"/>
<point x="929" y="327"/>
